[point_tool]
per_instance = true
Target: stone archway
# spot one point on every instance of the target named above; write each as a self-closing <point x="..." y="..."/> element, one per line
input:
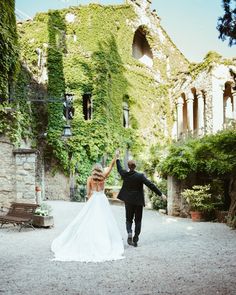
<point x="228" y="103"/>
<point x="141" y="49"/>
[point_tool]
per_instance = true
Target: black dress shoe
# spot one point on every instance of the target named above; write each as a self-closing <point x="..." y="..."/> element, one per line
<point x="129" y="240"/>
<point x="135" y="241"/>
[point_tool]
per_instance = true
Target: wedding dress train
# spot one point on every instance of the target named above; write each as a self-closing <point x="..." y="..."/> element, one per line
<point x="93" y="236"/>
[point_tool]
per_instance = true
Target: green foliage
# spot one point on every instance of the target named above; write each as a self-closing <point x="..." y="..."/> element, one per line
<point x="80" y="193"/>
<point x="208" y="61"/>
<point x="226" y="23"/>
<point x="157" y="201"/>
<point x="89" y="55"/>
<point x="15" y="117"/>
<point x="180" y="161"/>
<point x="199" y="198"/>
<point x="44" y="210"/>
<point x="8" y="47"/>
<point x="213" y="155"/>
<point x="56" y="85"/>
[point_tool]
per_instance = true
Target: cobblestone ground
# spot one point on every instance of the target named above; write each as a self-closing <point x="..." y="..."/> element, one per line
<point x="174" y="256"/>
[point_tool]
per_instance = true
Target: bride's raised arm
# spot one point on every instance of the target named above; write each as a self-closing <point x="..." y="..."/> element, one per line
<point x="108" y="171"/>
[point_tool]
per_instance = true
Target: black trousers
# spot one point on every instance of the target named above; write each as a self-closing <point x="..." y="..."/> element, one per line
<point x="133" y="212"/>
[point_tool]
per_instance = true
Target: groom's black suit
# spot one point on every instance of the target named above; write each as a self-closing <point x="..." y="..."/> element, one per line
<point x="132" y="194"/>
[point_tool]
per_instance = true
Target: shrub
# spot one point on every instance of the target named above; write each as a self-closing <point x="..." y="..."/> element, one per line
<point x="199" y="198"/>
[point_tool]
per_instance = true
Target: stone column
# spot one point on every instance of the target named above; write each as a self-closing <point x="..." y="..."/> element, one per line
<point x="174" y="133"/>
<point x="208" y="111"/>
<point x="7" y="172"/>
<point x="228" y="109"/>
<point x="173" y="196"/>
<point x="190" y="112"/>
<point x="200" y="114"/>
<point x="180" y="123"/>
<point x="25" y="175"/>
<point x="234" y="105"/>
<point x="217" y="106"/>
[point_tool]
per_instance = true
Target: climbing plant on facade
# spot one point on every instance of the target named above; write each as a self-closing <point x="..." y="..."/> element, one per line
<point x="86" y="56"/>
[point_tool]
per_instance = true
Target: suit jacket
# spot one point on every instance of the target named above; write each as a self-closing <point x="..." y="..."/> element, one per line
<point x="132" y="188"/>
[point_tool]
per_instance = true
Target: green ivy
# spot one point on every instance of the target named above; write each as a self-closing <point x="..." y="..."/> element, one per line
<point x="208" y="63"/>
<point x="15" y="119"/>
<point x="99" y="62"/>
<point x="9" y="52"/>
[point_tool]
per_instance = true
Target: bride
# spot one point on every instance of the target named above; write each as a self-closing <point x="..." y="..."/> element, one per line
<point x="93" y="236"/>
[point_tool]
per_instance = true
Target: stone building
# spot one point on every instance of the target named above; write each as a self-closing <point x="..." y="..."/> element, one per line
<point x="205" y="104"/>
<point x="129" y="84"/>
<point x="123" y="72"/>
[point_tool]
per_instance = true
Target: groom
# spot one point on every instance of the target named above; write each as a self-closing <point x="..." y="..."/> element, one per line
<point x="133" y="195"/>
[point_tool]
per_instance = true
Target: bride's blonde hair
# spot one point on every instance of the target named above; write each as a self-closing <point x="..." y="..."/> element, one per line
<point x="97" y="172"/>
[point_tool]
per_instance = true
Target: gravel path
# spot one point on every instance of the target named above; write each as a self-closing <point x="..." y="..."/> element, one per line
<point x="174" y="256"/>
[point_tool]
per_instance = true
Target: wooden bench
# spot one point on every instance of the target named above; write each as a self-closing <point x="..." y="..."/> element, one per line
<point x="19" y="214"/>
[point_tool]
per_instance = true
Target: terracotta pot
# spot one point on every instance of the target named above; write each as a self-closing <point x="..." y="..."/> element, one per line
<point x="197" y="216"/>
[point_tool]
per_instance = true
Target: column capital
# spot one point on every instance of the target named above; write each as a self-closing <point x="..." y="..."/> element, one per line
<point x="189" y="97"/>
<point x="180" y="101"/>
<point x="200" y="93"/>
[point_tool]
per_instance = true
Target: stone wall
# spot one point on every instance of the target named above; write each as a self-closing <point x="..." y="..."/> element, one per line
<point x="25" y="160"/>
<point x="57" y="186"/>
<point x="7" y="172"/>
<point x="17" y="174"/>
<point x="21" y="170"/>
<point x="176" y="205"/>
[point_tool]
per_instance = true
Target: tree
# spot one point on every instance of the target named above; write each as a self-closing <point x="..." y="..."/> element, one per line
<point x="227" y="23"/>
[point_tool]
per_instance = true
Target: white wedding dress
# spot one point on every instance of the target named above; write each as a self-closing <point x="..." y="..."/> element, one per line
<point x="93" y="236"/>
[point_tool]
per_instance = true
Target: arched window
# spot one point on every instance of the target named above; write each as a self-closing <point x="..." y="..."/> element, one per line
<point x="228" y="103"/>
<point x="141" y="49"/>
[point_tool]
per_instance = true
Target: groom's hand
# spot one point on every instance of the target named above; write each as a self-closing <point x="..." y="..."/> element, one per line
<point x="164" y="197"/>
<point x="117" y="154"/>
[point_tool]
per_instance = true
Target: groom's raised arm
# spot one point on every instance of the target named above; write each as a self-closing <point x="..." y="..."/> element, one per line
<point x="119" y="168"/>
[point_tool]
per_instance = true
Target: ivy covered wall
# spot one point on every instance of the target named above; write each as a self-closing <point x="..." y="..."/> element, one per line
<point x="88" y="49"/>
<point x="8" y="47"/>
<point x="15" y="116"/>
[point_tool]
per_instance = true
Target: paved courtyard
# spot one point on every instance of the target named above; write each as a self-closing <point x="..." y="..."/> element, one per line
<point x="174" y="256"/>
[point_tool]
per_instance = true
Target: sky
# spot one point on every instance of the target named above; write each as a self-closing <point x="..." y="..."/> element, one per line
<point x="191" y="24"/>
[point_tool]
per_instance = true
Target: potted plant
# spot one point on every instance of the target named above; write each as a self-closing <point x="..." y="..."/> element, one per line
<point x="42" y="216"/>
<point x="199" y="200"/>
